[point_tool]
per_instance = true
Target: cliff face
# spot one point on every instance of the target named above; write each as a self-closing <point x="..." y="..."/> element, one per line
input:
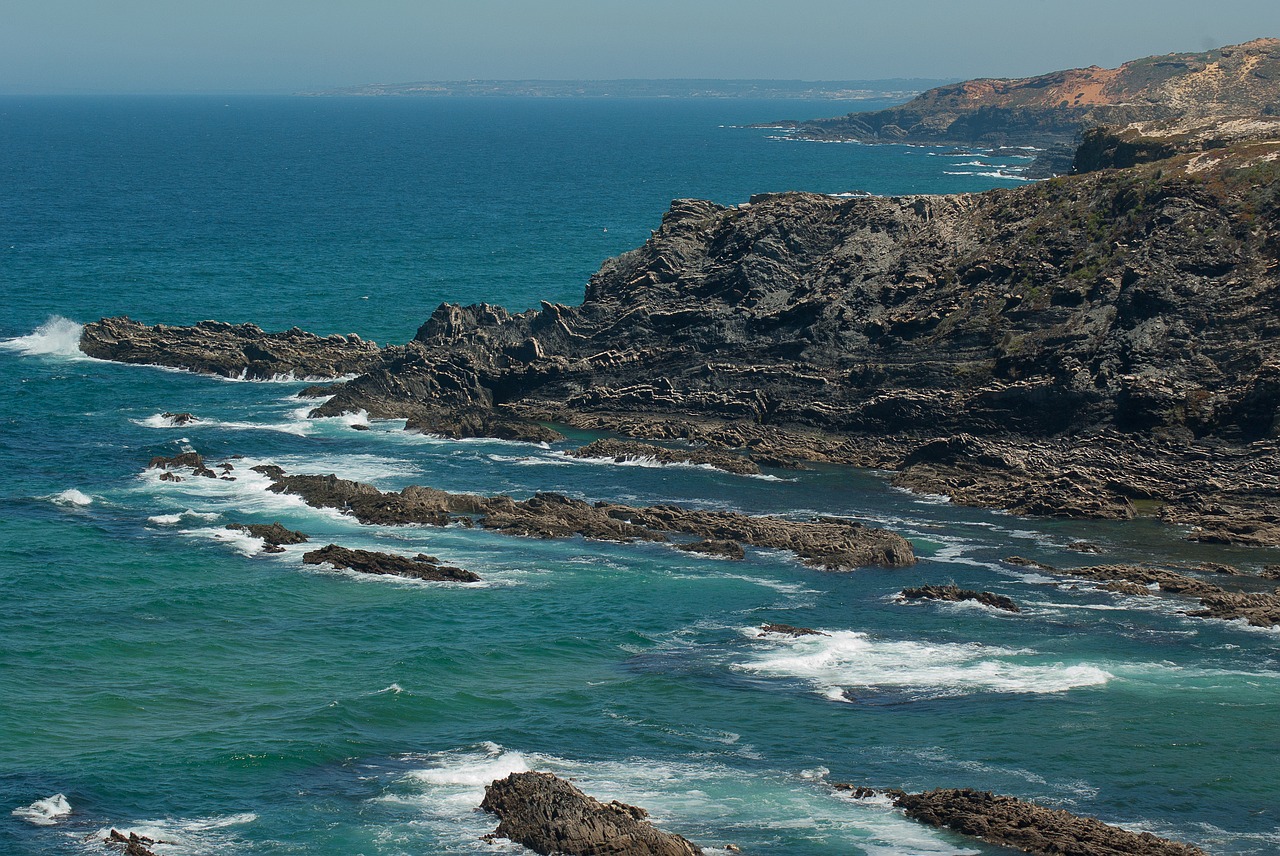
<point x="1054" y="109"/>
<point x="1141" y="301"/>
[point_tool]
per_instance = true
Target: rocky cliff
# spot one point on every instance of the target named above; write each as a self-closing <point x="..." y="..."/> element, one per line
<point x="1234" y="81"/>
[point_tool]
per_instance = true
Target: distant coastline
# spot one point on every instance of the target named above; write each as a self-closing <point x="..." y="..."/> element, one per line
<point x="832" y="90"/>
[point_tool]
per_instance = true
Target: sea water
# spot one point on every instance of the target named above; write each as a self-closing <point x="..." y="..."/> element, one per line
<point x="160" y="674"/>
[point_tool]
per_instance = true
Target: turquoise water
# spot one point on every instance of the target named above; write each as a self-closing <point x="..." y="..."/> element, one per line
<point x="166" y="678"/>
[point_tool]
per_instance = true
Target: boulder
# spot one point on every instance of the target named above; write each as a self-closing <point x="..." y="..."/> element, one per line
<point x="551" y="816"/>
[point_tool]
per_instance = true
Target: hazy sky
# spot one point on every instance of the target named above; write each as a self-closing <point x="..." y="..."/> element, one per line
<point x="287" y="45"/>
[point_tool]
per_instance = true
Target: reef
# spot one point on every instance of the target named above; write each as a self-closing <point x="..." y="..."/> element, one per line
<point x="829" y="543"/>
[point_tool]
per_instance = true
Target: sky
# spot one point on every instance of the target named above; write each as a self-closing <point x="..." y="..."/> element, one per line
<point x="133" y="46"/>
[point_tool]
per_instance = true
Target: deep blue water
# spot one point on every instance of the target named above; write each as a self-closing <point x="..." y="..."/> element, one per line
<point x="167" y="678"/>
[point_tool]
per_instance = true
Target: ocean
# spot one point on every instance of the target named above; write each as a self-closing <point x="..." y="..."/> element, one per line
<point x="159" y="674"/>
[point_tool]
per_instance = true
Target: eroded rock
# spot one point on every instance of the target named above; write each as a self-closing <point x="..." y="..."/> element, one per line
<point x="419" y="567"/>
<point x="549" y="815"/>
<point x="955" y="594"/>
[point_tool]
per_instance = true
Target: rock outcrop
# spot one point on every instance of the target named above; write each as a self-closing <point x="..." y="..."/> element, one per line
<point x="1100" y="345"/>
<point x="551" y="816"/>
<point x="1258" y="608"/>
<point x="829" y="543"/>
<point x="955" y="594"/>
<point x="1031" y="828"/>
<point x="419" y="567"/>
<point x="274" y="535"/>
<point x="234" y="351"/>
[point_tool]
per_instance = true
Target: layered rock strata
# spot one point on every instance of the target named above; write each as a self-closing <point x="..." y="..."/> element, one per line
<point x="551" y="816"/>
<point x="622" y="451"/>
<point x="829" y="543"/>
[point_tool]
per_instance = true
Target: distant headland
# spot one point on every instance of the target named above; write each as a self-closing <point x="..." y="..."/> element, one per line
<point x="831" y="90"/>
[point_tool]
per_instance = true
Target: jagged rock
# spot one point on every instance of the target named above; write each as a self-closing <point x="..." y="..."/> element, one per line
<point x="630" y="450"/>
<point x="419" y="567"/>
<point x="1025" y="826"/>
<point x="177" y="419"/>
<point x="460" y="423"/>
<point x="789" y="630"/>
<point x="242" y="350"/>
<point x="954" y="593"/>
<point x="828" y="543"/>
<point x="1023" y="562"/>
<point x="724" y="549"/>
<point x="132" y="844"/>
<point x="185" y="459"/>
<point x="273" y="535"/>
<point x="550" y="816"/>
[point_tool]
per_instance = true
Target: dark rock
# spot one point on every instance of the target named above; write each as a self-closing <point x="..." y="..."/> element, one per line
<point x="630" y="450"/>
<point x="177" y="419"/>
<point x="831" y="544"/>
<point x="359" y="426"/>
<point x="243" y="350"/>
<point x="132" y="844"/>
<point x="549" y="815"/>
<point x="170" y="477"/>
<point x="419" y="567"/>
<point x="789" y="630"/>
<point x="955" y="594"/>
<point x="725" y="549"/>
<point x="185" y="459"/>
<point x="1260" y="609"/>
<point x="1025" y="826"/>
<point x="273" y="535"/>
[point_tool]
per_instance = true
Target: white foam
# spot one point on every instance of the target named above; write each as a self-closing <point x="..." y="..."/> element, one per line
<point x="238" y="539"/>
<point x="654" y="463"/>
<point x="174" y="519"/>
<point x="45" y="812"/>
<point x="56" y="337"/>
<point x="472" y="769"/>
<point x="71" y="497"/>
<point x="186" y="835"/>
<point x="846" y="662"/>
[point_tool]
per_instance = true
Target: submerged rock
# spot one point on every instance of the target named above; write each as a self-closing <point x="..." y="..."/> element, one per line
<point x="550" y="816"/>
<point x="630" y="450"/>
<point x="725" y="549"/>
<point x="1032" y="828"/>
<point x="954" y="593"/>
<point x="789" y="630"/>
<point x="419" y="567"/>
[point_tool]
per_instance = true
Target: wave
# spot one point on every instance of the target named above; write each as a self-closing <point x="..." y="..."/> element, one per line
<point x="45" y="812"/>
<point x="71" y="498"/>
<point x="56" y="337"/>
<point x="655" y="464"/>
<point x="1008" y="176"/>
<point x="178" y="517"/>
<point x="848" y="663"/>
